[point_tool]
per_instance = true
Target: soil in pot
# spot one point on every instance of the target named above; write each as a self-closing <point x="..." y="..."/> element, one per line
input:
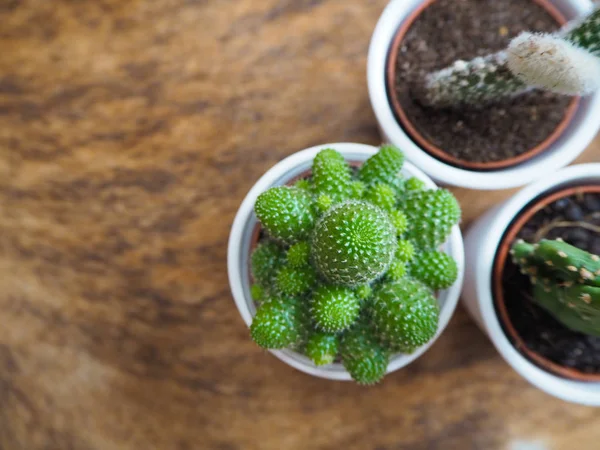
<point x="575" y="219"/>
<point x="448" y="30"/>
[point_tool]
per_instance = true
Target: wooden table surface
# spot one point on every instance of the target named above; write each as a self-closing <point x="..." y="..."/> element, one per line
<point x="130" y="131"/>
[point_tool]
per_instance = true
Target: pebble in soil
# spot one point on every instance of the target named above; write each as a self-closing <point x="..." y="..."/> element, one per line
<point x="539" y="330"/>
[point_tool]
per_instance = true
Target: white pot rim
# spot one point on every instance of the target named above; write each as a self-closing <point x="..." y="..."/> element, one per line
<point x="243" y="225"/>
<point x="587" y="393"/>
<point x="580" y="132"/>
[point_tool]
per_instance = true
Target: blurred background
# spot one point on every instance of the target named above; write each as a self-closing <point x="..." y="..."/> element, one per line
<point x="130" y="131"/>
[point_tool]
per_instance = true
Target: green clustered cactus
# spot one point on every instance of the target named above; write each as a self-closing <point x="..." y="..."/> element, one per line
<point x="567" y="62"/>
<point x="348" y="263"/>
<point x="566" y="282"/>
<point x="322" y="348"/>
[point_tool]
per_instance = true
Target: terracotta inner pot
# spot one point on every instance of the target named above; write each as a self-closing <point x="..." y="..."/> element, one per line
<point x="498" y="271"/>
<point x="438" y="153"/>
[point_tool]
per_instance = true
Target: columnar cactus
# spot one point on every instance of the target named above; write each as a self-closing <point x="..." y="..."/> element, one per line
<point x="567" y="63"/>
<point x="475" y="82"/>
<point x="383" y="167"/>
<point x="349" y="264"/>
<point x="566" y="282"/>
<point x="331" y="175"/>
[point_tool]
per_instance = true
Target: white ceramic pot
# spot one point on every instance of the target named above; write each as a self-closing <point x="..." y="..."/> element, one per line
<point x="573" y="141"/>
<point x="481" y="244"/>
<point x="238" y="254"/>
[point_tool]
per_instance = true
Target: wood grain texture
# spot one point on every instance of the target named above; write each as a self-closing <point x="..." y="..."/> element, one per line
<point x="130" y="131"/>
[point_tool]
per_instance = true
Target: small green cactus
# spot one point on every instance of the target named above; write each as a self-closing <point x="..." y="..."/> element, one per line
<point x="405" y="313"/>
<point x="279" y="323"/>
<point x="334" y="308"/>
<point x="353" y="243"/>
<point x="434" y="269"/>
<point x="335" y="266"/>
<point x="357" y="190"/>
<point x="364" y="291"/>
<point x="322" y="348"/>
<point x="431" y="216"/>
<point x="414" y="185"/>
<point x="382" y="195"/>
<point x="265" y="261"/>
<point x="323" y="203"/>
<point x="566" y="282"/>
<point x="566" y="62"/>
<point x="400" y="222"/>
<point x="331" y="175"/>
<point x="363" y="355"/>
<point x="293" y="281"/>
<point x="286" y="213"/>
<point x="382" y="167"/>
<point x="405" y="251"/>
<point x="298" y="255"/>
<point x="397" y="270"/>
<point x="304" y="185"/>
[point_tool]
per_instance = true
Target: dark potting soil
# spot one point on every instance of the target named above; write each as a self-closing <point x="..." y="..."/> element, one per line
<point x="449" y="30"/>
<point x="539" y="330"/>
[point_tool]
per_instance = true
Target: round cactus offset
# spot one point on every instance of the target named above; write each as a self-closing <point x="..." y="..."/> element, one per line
<point x="294" y="281"/>
<point x="431" y="216"/>
<point x="400" y="222"/>
<point x="286" y="213"/>
<point x="405" y="313"/>
<point x="364" y="291"/>
<point x="335" y="308"/>
<point x="298" y="255"/>
<point x="363" y="355"/>
<point x="435" y="269"/>
<point x="357" y="190"/>
<point x="265" y="261"/>
<point x="278" y="323"/>
<point x="405" y="251"/>
<point x="414" y="185"/>
<point x="353" y="243"/>
<point x="397" y="270"/>
<point x="336" y="274"/>
<point x="322" y="348"/>
<point x="382" y="195"/>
